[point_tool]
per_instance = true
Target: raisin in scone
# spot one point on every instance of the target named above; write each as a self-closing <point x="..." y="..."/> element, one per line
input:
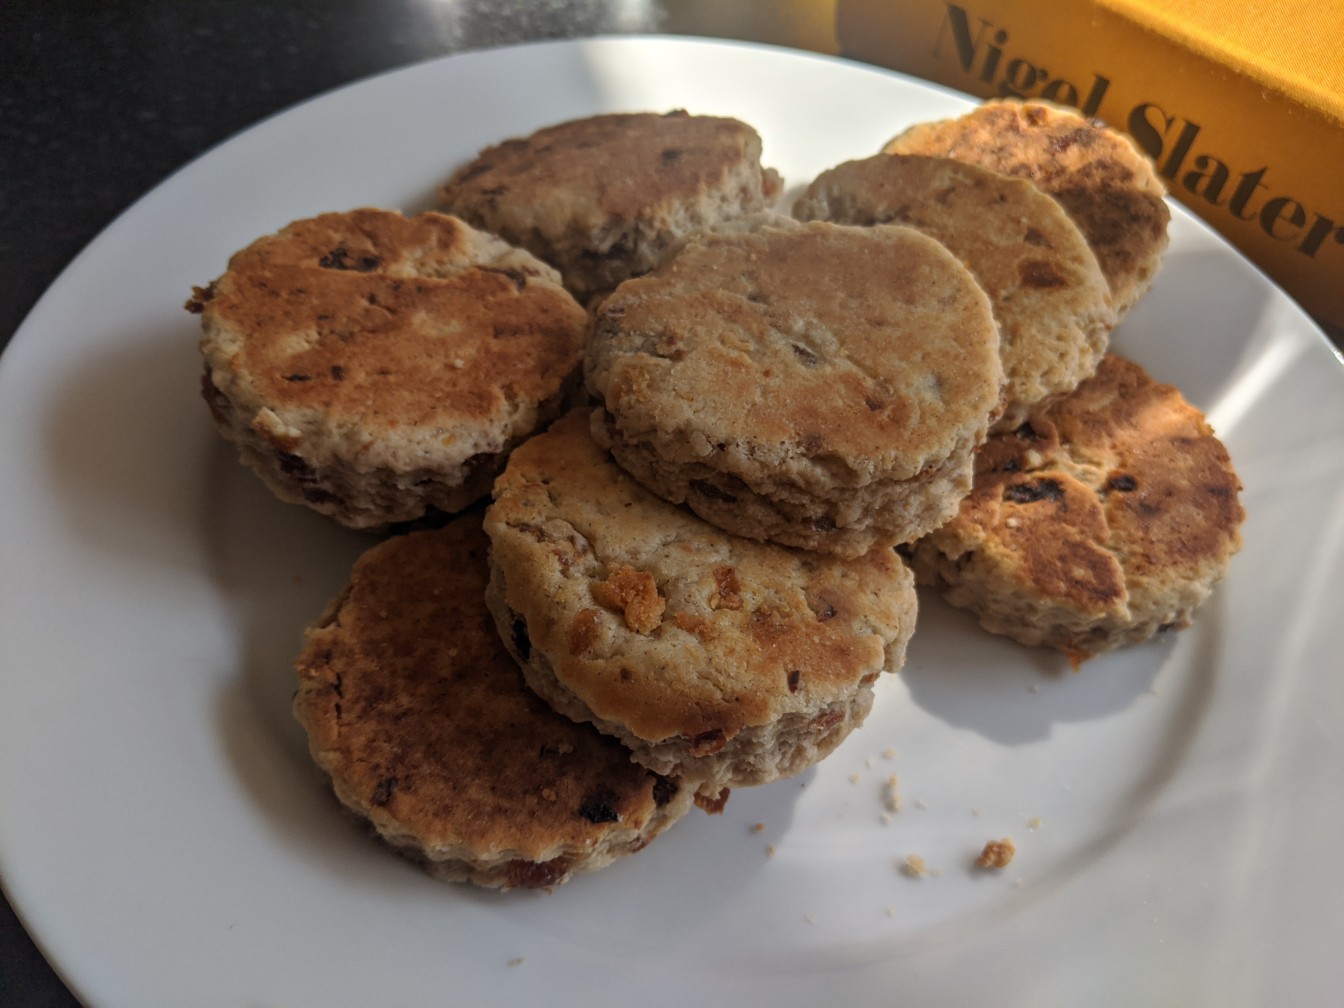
<point x="719" y="660"/>
<point x="378" y="368"/>
<point x="1049" y="297"/>
<point x="1105" y="183"/>
<point x="425" y="727"/>
<point x="1107" y="516"/>
<point x="604" y="197"/>
<point x="815" y="385"/>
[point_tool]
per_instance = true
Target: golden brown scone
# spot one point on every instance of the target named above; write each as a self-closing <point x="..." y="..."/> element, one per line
<point x="1108" y="516"/>
<point x="423" y="723"/>
<point x="1051" y="301"/>
<point x="1108" y="186"/>
<point x="723" y="661"/>
<point x="815" y="385"/>
<point x="603" y="198"/>
<point x="377" y="367"/>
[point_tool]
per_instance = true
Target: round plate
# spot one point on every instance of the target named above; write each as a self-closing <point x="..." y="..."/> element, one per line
<point x="167" y="842"/>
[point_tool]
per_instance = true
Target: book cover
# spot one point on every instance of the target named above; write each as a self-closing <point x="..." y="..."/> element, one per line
<point x="1241" y="108"/>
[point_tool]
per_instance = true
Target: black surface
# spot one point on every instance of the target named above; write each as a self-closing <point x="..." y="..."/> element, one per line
<point x="99" y="101"/>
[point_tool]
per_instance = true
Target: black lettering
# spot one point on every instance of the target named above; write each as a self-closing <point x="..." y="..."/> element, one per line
<point x="1020" y="78"/>
<point x="1280" y="210"/>
<point x="1211" y="175"/>
<point x="1250" y="182"/>
<point x="958" y="24"/>
<point x="1060" y="90"/>
<point x="992" y="57"/>
<point x="1183" y="144"/>
<point x="1094" y="95"/>
<point x="1145" y="133"/>
<point x="1320" y="228"/>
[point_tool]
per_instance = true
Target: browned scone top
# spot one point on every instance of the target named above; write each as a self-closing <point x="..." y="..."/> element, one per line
<point x="426" y="728"/>
<point x="601" y="198"/>
<point x="709" y="655"/>
<point x="372" y="365"/>
<point x="1107" y="185"/>
<point x="1052" y="303"/>
<point x="1108" y="516"/>
<point x="818" y="385"/>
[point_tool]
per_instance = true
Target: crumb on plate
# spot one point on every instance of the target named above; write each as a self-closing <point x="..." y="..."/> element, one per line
<point x="997" y="854"/>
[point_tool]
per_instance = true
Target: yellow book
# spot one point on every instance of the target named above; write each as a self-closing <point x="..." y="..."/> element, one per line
<point x="1240" y="105"/>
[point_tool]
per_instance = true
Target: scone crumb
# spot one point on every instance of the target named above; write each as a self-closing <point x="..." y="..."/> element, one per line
<point x="770" y="851"/>
<point x="689" y="622"/>
<point x="583" y="631"/>
<point x="713" y="804"/>
<point x="915" y="867"/>
<point x="854" y="778"/>
<point x="891" y="793"/>
<point x="1034" y="823"/>
<point x="634" y="594"/>
<point x="728" y="590"/>
<point x="516" y="961"/>
<point x="997" y="854"/>
<point x="758" y="827"/>
<point x="200" y="296"/>
<point x="889" y="753"/>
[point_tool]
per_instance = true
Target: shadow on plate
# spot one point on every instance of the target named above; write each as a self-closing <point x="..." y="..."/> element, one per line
<point x="717" y="856"/>
<point x="1013" y="694"/>
<point x="126" y="440"/>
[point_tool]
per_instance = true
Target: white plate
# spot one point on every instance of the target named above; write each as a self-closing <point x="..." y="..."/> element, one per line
<point x="1176" y="807"/>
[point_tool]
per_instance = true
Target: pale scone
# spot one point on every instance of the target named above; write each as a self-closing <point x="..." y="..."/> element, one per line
<point x="378" y="368"/>
<point x="425" y="728"/>
<point x="816" y="385"/>
<point x="715" y="659"/>
<point x="1105" y="183"/>
<point x="1051" y="301"/>
<point x="1108" y="516"/>
<point x="603" y="198"/>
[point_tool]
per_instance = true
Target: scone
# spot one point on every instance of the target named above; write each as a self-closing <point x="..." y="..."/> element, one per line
<point x="425" y="728"/>
<point x="378" y="368"/>
<point x="1107" y="185"/>
<point x="1051" y="301"/>
<point x="1108" y="516"/>
<point x="715" y="659"/>
<point x="602" y="198"/>
<point x="816" y="385"/>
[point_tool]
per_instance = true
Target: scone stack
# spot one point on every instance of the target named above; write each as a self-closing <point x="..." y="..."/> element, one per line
<point x="714" y="435"/>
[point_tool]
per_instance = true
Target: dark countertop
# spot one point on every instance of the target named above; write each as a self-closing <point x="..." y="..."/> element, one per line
<point x="101" y="100"/>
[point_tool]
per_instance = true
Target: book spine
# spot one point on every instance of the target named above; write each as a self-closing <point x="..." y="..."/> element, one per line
<point x="1259" y="165"/>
